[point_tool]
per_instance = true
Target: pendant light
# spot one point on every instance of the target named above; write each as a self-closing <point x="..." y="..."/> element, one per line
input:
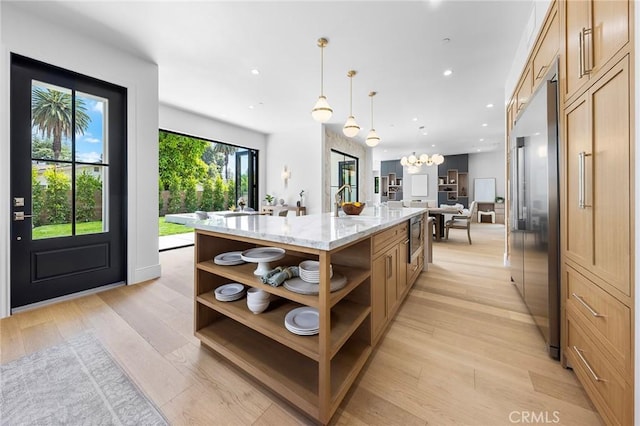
<point x="321" y="112"/>
<point x="372" y="138"/>
<point x="351" y="128"/>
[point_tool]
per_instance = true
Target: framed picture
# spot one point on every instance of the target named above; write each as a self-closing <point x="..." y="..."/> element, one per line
<point x="376" y="185"/>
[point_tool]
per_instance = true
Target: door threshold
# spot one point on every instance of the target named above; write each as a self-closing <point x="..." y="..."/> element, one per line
<point x="66" y="297"/>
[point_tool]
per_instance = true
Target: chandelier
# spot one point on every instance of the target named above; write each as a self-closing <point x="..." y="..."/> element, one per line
<point x="414" y="163"/>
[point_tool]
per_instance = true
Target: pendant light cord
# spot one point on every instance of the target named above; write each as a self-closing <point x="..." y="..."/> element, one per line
<point x="322" y="70"/>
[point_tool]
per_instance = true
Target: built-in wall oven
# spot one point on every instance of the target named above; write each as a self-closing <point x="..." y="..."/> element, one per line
<point x="415" y="236"/>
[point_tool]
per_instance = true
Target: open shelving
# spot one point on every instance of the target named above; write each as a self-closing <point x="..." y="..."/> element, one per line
<point x="312" y="372"/>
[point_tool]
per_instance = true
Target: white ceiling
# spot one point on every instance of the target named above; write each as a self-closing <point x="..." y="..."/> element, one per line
<point x="205" y="51"/>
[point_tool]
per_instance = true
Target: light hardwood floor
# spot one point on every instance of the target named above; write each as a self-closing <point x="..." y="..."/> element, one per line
<point x="462" y="350"/>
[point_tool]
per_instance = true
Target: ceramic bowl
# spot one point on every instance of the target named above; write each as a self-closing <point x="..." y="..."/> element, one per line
<point x="257" y="306"/>
<point x="256" y="295"/>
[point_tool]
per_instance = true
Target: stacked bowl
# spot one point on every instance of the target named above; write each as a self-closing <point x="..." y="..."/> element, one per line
<point x="257" y="300"/>
<point x="309" y="271"/>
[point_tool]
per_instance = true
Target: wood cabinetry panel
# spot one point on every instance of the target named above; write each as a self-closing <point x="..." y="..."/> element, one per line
<point x="607" y="318"/>
<point x="612" y="177"/>
<point x="548" y="48"/>
<point x="576" y="18"/>
<point x="608" y="390"/>
<point x="610" y="26"/>
<point x="578" y="224"/>
<point x="597" y="124"/>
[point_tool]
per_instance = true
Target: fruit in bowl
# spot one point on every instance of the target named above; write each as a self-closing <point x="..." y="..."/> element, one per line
<point x="353" y="209"/>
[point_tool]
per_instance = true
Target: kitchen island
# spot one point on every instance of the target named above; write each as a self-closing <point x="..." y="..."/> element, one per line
<point x="314" y="372"/>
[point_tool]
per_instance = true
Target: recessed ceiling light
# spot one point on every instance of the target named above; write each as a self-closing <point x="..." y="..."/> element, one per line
<point x="384" y="150"/>
<point x="414" y="119"/>
<point x="478" y="149"/>
<point x="489" y="105"/>
<point x="424" y="133"/>
<point x="433" y="145"/>
<point x="447" y="73"/>
<point x="255" y="72"/>
<point x="484" y="124"/>
<point x="251" y="106"/>
<point x="481" y="139"/>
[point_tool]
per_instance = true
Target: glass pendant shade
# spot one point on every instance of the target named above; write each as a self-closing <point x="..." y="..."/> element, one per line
<point x="351" y="128"/>
<point x="372" y="138"/>
<point x="412" y="159"/>
<point x="403" y="161"/>
<point x="321" y="112"/>
<point x="437" y="159"/>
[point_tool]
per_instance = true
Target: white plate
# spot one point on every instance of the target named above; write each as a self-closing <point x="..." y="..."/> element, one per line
<point x="302" y="333"/>
<point x="230" y="298"/>
<point x="262" y="254"/>
<point x="229" y="290"/>
<point x="302" y="319"/>
<point x="298" y="285"/>
<point x="229" y="258"/>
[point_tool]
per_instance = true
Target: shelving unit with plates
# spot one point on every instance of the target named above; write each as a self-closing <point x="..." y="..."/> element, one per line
<point x="313" y="373"/>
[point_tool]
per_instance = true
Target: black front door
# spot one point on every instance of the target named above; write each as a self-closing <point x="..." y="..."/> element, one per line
<point x="68" y="182"/>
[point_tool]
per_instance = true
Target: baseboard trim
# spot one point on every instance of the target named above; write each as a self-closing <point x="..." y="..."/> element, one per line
<point x="67" y="297"/>
<point x="145" y="274"/>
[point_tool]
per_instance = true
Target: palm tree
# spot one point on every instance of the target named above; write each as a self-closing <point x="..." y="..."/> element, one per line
<point x="52" y="115"/>
<point x="226" y="150"/>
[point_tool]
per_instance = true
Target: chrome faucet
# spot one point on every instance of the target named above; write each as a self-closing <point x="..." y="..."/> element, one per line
<point x="339" y="197"/>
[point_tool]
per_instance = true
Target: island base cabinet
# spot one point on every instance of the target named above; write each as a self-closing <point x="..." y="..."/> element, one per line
<point x="312" y="372"/>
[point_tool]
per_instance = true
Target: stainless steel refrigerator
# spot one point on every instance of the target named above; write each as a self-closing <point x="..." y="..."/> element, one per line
<point x="535" y="214"/>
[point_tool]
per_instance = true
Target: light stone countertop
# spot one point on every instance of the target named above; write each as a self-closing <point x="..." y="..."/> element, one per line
<point x="319" y="231"/>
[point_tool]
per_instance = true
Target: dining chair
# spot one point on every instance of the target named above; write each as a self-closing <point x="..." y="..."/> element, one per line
<point x="461" y="221"/>
<point x="283" y="212"/>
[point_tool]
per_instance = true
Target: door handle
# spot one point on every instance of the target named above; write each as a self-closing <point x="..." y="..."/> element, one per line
<point x="585" y="53"/>
<point x="20" y="216"/>
<point x="581" y="180"/>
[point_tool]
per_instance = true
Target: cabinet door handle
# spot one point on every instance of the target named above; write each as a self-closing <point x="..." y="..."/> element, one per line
<point x="580" y="54"/>
<point x="586" y="364"/>
<point x="586" y="305"/>
<point x="586" y="70"/>
<point x="581" y="180"/>
<point x="388" y="266"/>
<point x="542" y="68"/>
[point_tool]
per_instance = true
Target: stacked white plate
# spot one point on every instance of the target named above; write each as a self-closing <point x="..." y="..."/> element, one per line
<point x="309" y="271"/>
<point x="303" y="321"/>
<point x="229" y="258"/>
<point x="298" y="285"/>
<point x="229" y="292"/>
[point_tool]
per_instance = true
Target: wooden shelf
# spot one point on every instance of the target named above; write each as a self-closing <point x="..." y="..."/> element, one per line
<point x="286" y="372"/>
<point x="244" y="274"/>
<point x="314" y="373"/>
<point x="346" y="317"/>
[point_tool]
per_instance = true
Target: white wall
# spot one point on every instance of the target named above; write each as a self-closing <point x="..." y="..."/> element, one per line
<point x="487" y="165"/>
<point x="189" y="123"/>
<point x="300" y="149"/>
<point x="41" y="40"/>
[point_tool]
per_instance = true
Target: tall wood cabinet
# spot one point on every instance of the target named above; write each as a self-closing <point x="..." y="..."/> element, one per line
<point x="595" y="33"/>
<point x="596" y="74"/>
<point x="597" y="226"/>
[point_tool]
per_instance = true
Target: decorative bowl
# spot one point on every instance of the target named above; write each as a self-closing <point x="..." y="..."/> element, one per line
<point x="353" y="209"/>
<point x="257" y="306"/>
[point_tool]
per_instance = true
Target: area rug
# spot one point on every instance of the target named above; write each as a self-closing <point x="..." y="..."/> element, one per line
<point x="73" y="383"/>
